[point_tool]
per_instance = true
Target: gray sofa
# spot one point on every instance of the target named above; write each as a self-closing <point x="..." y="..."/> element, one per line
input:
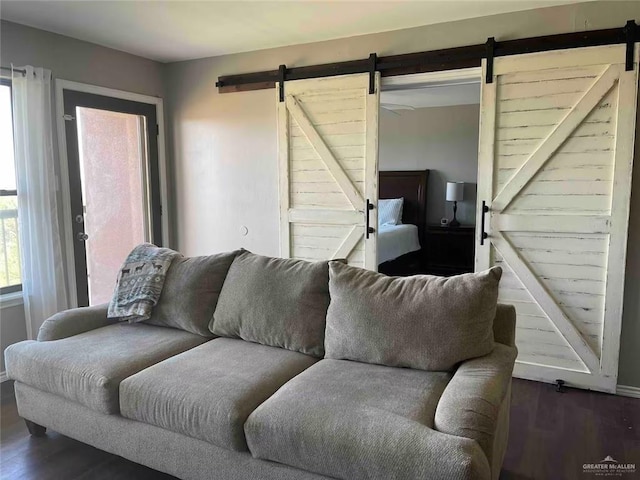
<point x="261" y="368"/>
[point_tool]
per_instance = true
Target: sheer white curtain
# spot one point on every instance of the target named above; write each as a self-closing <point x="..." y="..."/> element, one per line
<point x="43" y="282"/>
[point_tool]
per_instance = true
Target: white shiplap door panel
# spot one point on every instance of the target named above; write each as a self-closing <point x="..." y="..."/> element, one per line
<point x="328" y="154"/>
<point x="555" y="162"/>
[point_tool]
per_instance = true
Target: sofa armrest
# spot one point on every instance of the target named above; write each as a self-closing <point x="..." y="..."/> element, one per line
<point x="72" y="322"/>
<point x="504" y="325"/>
<point x="475" y="403"/>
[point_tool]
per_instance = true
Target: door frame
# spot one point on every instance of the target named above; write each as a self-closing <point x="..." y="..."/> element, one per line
<point x="67" y="240"/>
<point x="466" y="75"/>
<point x="460" y="76"/>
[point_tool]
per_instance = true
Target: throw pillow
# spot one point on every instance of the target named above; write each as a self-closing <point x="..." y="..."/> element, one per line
<point x="390" y="211"/>
<point x="423" y="322"/>
<point x="275" y="301"/>
<point x="190" y="293"/>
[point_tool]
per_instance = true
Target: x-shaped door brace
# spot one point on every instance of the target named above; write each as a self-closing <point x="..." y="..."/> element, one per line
<point x="552" y="223"/>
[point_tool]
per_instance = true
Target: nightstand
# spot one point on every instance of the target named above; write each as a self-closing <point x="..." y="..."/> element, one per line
<point x="449" y="250"/>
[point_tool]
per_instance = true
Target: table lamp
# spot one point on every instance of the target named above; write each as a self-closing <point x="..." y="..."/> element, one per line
<point x="455" y="193"/>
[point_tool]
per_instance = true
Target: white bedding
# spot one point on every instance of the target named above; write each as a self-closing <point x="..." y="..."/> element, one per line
<point x="396" y="240"/>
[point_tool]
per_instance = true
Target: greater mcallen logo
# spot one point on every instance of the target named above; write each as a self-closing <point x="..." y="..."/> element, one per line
<point x="609" y="467"/>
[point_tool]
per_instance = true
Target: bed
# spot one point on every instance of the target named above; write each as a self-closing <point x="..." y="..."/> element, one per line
<point x="395" y="241"/>
<point x="400" y="246"/>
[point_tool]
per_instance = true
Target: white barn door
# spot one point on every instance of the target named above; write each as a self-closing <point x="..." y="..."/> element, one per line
<point x="328" y="153"/>
<point x="556" y="151"/>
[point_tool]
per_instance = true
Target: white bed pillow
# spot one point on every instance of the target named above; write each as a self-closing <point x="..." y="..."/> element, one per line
<point x="390" y="211"/>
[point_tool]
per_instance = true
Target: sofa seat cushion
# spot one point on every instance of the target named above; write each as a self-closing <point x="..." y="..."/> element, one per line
<point x="208" y="392"/>
<point x="88" y="368"/>
<point x="353" y="421"/>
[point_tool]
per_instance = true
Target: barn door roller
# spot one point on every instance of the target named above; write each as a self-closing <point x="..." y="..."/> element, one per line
<point x="490" y="46"/>
<point x="630" y="35"/>
<point x="282" y="70"/>
<point x="373" y="65"/>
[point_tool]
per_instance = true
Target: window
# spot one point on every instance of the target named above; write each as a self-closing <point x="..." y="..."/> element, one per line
<point x="10" y="277"/>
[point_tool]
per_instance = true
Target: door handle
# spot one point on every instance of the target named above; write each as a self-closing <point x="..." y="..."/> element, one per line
<point x="483" y="235"/>
<point x="82" y="237"/>
<point x="369" y="230"/>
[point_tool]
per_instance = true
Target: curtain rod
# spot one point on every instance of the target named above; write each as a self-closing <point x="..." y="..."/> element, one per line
<point x="21" y="71"/>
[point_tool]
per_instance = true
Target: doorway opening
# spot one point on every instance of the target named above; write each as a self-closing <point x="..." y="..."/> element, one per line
<point x="114" y="194"/>
<point x="428" y="170"/>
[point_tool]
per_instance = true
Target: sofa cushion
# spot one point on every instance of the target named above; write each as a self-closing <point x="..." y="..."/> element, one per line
<point x="208" y="392"/>
<point x="424" y="322"/>
<point x="190" y="292"/>
<point x="356" y="421"/>
<point x="275" y="301"/>
<point x="88" y="368"/>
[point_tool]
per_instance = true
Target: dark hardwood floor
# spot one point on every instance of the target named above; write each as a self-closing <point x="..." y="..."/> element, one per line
<point x="552" y="435"/>
<point x="56" y="457"/>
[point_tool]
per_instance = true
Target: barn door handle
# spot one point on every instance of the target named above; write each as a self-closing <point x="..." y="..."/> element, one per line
<point x="483" y="234"/>
<point x="369" y="230"/>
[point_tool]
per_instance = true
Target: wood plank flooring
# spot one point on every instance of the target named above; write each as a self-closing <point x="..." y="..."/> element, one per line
<point x="551" y="436"/>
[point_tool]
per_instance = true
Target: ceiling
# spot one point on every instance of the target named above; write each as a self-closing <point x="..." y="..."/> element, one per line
<point x="176" y="30"/>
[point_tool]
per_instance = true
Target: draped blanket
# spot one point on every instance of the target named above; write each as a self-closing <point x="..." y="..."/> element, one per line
<point x="140" y="283"/>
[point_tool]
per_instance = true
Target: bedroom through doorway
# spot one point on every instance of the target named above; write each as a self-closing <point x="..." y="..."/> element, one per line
<point x="428" y="172"/>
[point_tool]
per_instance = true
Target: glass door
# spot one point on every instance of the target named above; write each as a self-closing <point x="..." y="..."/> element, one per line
<point x="112" y="152"/>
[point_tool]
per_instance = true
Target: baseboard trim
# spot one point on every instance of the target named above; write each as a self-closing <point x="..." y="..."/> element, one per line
<point x="628" y="391"/>
<point x="3" y="377"/>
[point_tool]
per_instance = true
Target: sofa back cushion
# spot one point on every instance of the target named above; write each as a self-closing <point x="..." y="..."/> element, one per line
<point x="275" y="301"/>
<point x="190" y="292"/>
<point x="423" y="322"/>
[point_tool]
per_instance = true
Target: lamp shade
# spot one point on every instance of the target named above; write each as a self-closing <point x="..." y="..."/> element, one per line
<point x="455" y="191"/>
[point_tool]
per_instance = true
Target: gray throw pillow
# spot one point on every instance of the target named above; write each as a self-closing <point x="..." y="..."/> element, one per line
<point x="275" y="301"/>
<point x="423" y="322"/>
<point x="190" y="292"/>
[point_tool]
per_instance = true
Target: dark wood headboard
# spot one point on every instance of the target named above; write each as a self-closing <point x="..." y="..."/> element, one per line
<point x="412" y="186"/>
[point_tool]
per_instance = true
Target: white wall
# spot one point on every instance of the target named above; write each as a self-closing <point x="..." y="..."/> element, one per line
<point x="224" y="145"/>
<point x="441" y="139"/>
<point x="85" y="62"/>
